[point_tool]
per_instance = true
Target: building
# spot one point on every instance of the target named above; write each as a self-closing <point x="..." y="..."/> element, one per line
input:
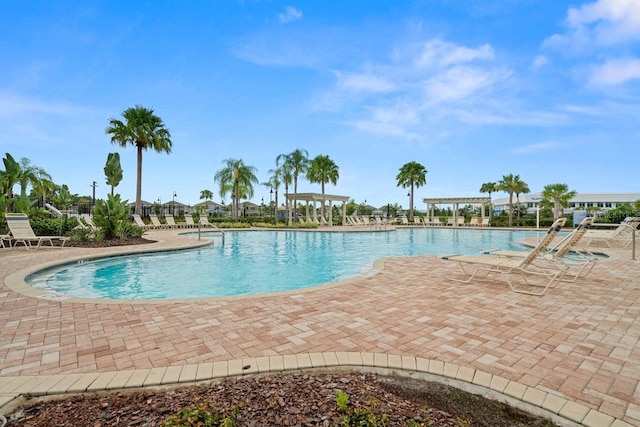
<point x="603" y="201"/>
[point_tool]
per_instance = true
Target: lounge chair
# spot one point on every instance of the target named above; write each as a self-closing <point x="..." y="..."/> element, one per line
<point x="323" y="222"/>
<point x="204" y="221"/>
<point x="405" y="220"/>
<point x="621" y="236"/>
<point x="484" y="222"/>
<point x="460" y="221"/>
<point x="188" y="218"/>
<point x="140" y="223"/>
<point x="21" y="232"/>
<point x="156" y="222"/>
<point x="450" y="222"/>
<point x="567" y="253"/>
<point x="3" y="238"/>
<point x="473" y="222"/>
<point x="435" y="222"/>
<point x="508" y="266"/>
<point x="171" y="222"/>
<point x="418" y="220"/>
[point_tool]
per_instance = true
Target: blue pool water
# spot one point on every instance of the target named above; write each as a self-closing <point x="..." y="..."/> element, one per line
<point x="254" y="262"/>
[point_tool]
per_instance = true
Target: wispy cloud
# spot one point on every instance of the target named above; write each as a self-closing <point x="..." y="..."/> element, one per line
<point x="358" y="82"/>
<point x="290" y="14"/>
<point x="538" y="147"/>
<point x="615" y="72"/>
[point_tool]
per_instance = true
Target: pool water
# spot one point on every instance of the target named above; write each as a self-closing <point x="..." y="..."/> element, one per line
<point x="255" y="262"/>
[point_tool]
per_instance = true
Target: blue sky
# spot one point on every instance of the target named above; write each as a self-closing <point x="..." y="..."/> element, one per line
<point x="473" y="90"/>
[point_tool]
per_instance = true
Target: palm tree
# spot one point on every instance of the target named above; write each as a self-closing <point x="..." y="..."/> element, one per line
<point x="238" y="179"/>
<point x="298" y="163"/>
<point x="518" y="188"/>
<point x="143" y="129"/>
<point x="559" y="195"/>
<point x="508" y="184"/>
<point x="273" y="183"/>
<point x="42" y="189"/>
<point x="411" y="174"/>
<point x="488" y="187"/>
<point x="30" y="174"/>
<point x="206" y="195"/>
<point x="322" y="170"/>
<point x="9" y="177"/>
<point x="285" y="175"/>
<point x="113" y="170"/>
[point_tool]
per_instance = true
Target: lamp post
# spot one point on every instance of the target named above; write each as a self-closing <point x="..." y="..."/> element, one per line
<point x="409" y="196"/>
<point x="173" y="204"/>
<point x="271" y="205"/>
<point x="262" y="208"/>
<point x="94" y="185"/>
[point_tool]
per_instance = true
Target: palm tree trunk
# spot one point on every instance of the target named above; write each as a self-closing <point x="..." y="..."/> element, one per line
<point x="138" y="207"/>
<point x="322" y="208"/>
<point x="411" y="203"/>
<point x="510" y="209"/>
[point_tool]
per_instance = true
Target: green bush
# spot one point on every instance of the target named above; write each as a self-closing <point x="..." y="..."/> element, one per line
<point x="201" y="417"/>
<point x="53" y="226"/>
<point x="109" y="215"/>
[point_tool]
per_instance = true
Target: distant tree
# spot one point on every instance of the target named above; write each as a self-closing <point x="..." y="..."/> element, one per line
<point x="9" y="177"/>
<point x="559" y="195"/>
<point x="323" y="170"/>
<point x="43" y="189"/>
<point x="411" y="175"/>
<point x="113" y="170"/>
<point x="30" y="174"/>
<point x="508" y="184"/>
<point x="489" y="187"/>
<point x="518" y="188"/>
<point x="292" y="165"/>
<point x="238" y="179"/>
<point x="273" y="183"/>
<point x="206" y="195"/>
<point x="142" y="129"/>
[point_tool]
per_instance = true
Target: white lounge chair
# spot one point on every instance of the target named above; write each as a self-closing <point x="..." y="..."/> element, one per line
<point x="188" y="218"/>
<point x="473" y="222"/>
<point x="140" y="223"/>
<point x="21" y="232"/>
<point x="509" y="266"/>
<point x="156" y="222"/>
<point x="621" y="236"/>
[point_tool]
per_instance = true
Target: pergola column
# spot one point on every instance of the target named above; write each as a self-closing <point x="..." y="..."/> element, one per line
<point x="330" y="220"/>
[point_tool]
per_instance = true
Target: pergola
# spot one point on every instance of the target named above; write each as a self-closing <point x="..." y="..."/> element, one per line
<point x="455" y="201"/>
<point x="322" y="198"/>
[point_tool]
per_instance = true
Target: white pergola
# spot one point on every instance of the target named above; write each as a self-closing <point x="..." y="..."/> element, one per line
<point x="456" y="201"/>
<point x="312" y="198"/>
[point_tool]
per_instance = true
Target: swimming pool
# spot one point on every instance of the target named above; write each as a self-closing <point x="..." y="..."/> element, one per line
<point x="254" y="262"/>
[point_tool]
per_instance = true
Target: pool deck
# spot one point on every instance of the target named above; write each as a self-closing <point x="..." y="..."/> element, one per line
<point x="573" y="352"/>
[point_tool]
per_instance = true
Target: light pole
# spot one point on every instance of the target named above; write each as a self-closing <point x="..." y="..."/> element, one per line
<point x="271" y="203"/>
<point x="262" y="208"/>
<point x="173" y="204"/>
<point x="94" y="185"/>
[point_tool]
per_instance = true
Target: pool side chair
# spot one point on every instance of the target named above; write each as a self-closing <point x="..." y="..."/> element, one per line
<point x="473" y="222"/>
<point x="188" y="219"/>
<point x="171" y="222"/>
<point x="568" y="253"/>
<point x="418" y="221"/>
<point x="21" y="232"/>
<point x="619" y="237"/>
<point x="5" y="238"/>
<point x="140" y="223"/>
<point x="435" y="222"/>
<point x="508" y="267"/>
<point x="323" y="222"/>
<point x="405" y="220"/>
<point x="204" y="221"/>
<point x="460" y="222"/>
<point x="156" y="222"/>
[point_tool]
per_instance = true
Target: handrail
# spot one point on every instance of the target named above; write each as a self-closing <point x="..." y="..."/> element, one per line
<point x="216" y="228"/>
<point x="633" y="234"/>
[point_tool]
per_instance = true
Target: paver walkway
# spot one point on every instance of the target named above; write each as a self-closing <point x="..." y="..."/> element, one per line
<point x="579" y="342"/>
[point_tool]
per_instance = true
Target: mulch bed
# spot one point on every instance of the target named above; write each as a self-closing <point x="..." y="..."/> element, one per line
<point x="282" y="400"/>
<point x="109" y="242"/>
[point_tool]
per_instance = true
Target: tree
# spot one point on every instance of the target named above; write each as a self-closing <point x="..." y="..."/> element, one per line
<point x="559" y="195"/>
<point x="323" y="170"/>
<point x="238" y="179"/>
<point x="30" y="174"/>
<point x="508" y="184"/>
<point x="142" y="129"/>
<point x="42" y="189"/>
<point x="9" y="177"/>
<point x="273" y="183"/>
<point x="206" y="195"/>
<point x="411" y="175"/>
<point x="518" y="188"/>
<point x="298" y="163"/>
<point x="113" y="170"/>
<point x="488" y="187"/>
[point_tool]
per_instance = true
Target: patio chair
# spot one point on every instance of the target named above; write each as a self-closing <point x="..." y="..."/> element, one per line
<point x="188" y="218"/>
<point x="450" y="222"/>
<point x="621" y="236"/>
<point x="435" y="222"/>
<point x="156" y="222"/>
<point x="3" y="238"/>
<point x="418" y="221"/>
<point x="568" y="253"/>
<point x="140" y="223"/>
<point x="460" y="221"/>
<point x="473" y="222"/>
<point x="204" y="221"/>
<point x="21" y="232"/>
<point x="509" y="266"/>
<point x="171" y="222"/>
<point x="405" y="220"/>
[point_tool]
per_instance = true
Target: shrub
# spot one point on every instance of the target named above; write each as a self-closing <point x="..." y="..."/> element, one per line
<point x="53" y="226"/>
<point x="109" y="214"/>
<point x="201" y="417"/>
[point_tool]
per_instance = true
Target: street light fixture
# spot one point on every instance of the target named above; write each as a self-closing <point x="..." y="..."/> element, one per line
<point x="173" y="204"/>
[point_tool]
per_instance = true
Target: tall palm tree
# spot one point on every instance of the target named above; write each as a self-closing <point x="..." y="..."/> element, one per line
<point x="206" y="195"/>
<point x="520" y="187"/>
<point x="273" y="183"/>
<point x="488" y="187"/>
<point x="42" y="189"/>
<point x="323" y="170"/>
<point x="9" y="177"/>
<point x="285" y="175"/>
<point x="508" y="184"/>
<point x="143" y="129"/>
<point x="298" y="163"/>
<point x="238" y="179"/>
<point x="559" y="195"/>
<point x="30" y="174"/>
<point x="411" y="174"/>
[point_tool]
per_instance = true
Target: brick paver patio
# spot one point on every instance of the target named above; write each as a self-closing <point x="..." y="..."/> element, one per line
<point x="575" y="348"/>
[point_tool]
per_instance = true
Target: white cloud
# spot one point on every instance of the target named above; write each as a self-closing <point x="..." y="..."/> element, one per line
<point x="538" y="147"/>
<point x="615" y="72"/>
<point x="539" y="61"/>
<point x="440" y="53"/>
<point x="363" y="83"/>
<point x="603" y="23"/>
<point x="290" y="14"/>
<point x="460" y="82"/>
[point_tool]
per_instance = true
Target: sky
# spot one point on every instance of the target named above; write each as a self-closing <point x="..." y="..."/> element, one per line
<point x="473" y="90"/>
